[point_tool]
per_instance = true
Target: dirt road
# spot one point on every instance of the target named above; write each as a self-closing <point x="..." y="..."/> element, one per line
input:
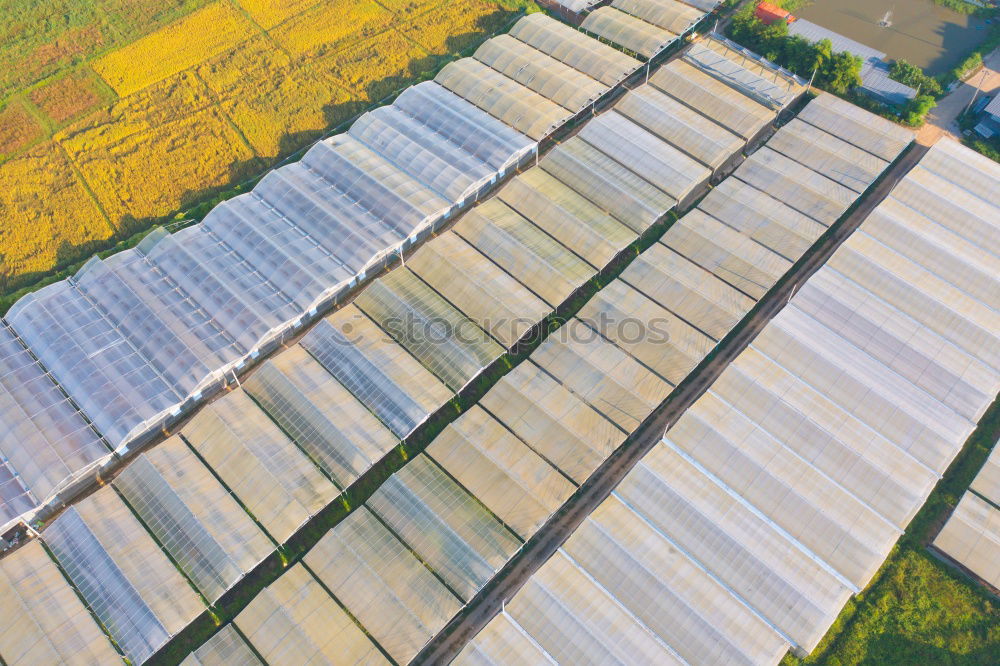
<point x="943" y="119"/>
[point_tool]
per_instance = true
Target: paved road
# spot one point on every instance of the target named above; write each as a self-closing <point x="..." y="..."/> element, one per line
<point x="942" y="120"/>
<point x="536" y="551"/>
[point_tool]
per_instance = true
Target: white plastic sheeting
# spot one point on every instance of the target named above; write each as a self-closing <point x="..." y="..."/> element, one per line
<point x="677" y="17"/>
<point x="43" y="621"/>
<point x="122" y="574"/>
<point x="569" y="46"/>
<point x="745" y="71"/>
<point x="878" y="136"/>
<point x="971" y="537"/>
<point x="629" y="32"/>
<point x="224" y="648"/>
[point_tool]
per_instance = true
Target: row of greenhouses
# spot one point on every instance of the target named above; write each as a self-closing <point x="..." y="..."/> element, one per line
<point x="190" y="518"/>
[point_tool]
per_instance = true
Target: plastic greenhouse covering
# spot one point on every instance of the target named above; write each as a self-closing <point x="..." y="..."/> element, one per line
<point x="326" y="421"/>
<point x="553" y="421"/>
<point x="689" y="291"/>
<point x="503" y="98"/>
<point x="865" y="130"/>
<point x="987" y="482"/>
<point x="576" y="621"/>
<point x="128" y="583"/>
<point x="839" y="444"/>
<point x="732" y="67"/>
<point x="576" y="5"/>
<point x="567" y="216"/>
<point x="444" y="525"/>
<point x="658" y="162"/>
<point x="447" y="342"/>
<point x="607" y="378"/>
<point x="971" y="537"/>
<point x="669" y="593"/>
<point x="628" y="31"/>
<point x="772" y="223"/>
<point x="830" y="156"/>
<point x="596" y="60"/>
<point x="43" y="436"/>
<point x="269" y="475"/>
<point x="712" y="98"/>
<point x="553" y="80"/>
<point x="501" y="471"/>
<point x="726" y="253"/>
<point x="957" y="165"/>
<point x="739" y="546"/>
<point x="422" y="151"/>
<point x="835" y="525"/>
<point x="519" y="247"/>
<point x="635" y="202"/>
<point x="478" y="287"/>
<point x="294" y="621"/>
<point x="207" y="534"/>
<point x="463" y="124"/>
<point x="224" y="648"/>
<point x="376" y="369"/>
<point x="685" y="129"/>
<point x="501" y="642"/>
<point x="676" y="17"/>
<point x="44" y="621"/>
<point x="659" y="339"/>
<point x="391" y="593"/>
<point x="803" y="189"/>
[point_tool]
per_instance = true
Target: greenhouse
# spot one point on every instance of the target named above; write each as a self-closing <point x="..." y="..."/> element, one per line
<point x="567" y="216"/>
<point x="45" y="438"/>
<point x="553" y="421"/>
<point x="629" y="32"/>
<point x="695" y="135"/>
<point x="635" y="202"/>
<point x="483" y="291"/>
<point x="676" y="17"/>
<point x="377" y="370"/>
<point x="773" y="87"/>
<point x="712" y="98"/>
<point x="294" y="621"/>
<point x="503" y="98"/>
<point x="391" y="593"/>
<point x="607" y="378"/>
<point x="530" y="255"/>
<point x="438" y="335"/>
<point x="194" y="518"/>
<point x="44" y="622"/>
<point x="847" y="164"/>
<point x="269" y="475"/>
<point x="800" y="187"/>
<point x="571" y="47"/>
<point x="759" y="216"/>
<point x="726" y="253"/>
<point x="121" y="573"/>
<point x="661" y="164"/>
<point x="225" y="647"/>
<point x="323" y="418"/>
<point x="445" y="526"/>
<point x="553" y="80"/>
<point x="840" y="118"/>
<point x="689" y="291"/>
<point x="501" y="471"/>
<point x="671" y="347"/>
<point x="971" y="536"/>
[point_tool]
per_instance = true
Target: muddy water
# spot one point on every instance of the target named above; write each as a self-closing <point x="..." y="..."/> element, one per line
<point x="922" y="33"/>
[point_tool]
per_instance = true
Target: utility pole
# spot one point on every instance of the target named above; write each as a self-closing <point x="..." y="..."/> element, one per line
<point x="976" y="93"/>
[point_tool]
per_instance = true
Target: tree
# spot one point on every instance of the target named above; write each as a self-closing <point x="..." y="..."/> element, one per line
<point x="841" y="73"/>
<point x="917" y="109"/>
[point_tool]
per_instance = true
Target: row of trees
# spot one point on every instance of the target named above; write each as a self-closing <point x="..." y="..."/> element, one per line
<point x="837" y="72"/>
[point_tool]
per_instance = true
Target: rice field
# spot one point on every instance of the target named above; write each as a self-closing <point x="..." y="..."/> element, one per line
<point x="116" y="115"/>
